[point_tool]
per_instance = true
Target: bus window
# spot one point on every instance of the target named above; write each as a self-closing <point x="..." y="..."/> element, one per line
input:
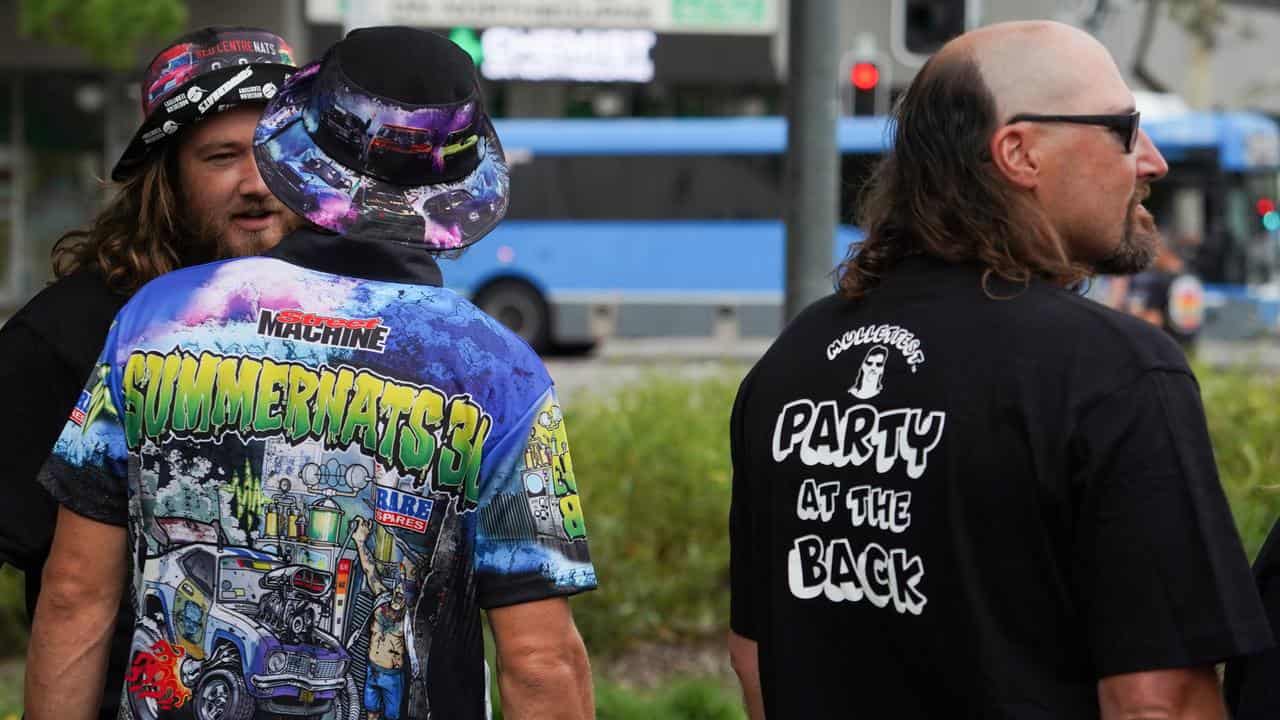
<point x="1249" y="213"/>
<point x="677" y="187"/>
<point x="633" y="187"/>
<point x="1178" y="206"/>
<point x="855" y="170"/>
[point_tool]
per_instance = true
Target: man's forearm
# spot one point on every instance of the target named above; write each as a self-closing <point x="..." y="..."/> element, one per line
<point x="84" y="580"/>
<point x="588" y="689"/>
<point x="744" y="655"/>
<point x="1174" y="694"/>
<point x="554" y="686"/>
<point x="370" y="571"/>
<point x="67" y="658"/>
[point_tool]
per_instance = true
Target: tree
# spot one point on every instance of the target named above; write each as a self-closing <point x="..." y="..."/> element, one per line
<point x="1203" y="20"/>
<point x="110" y="31"/>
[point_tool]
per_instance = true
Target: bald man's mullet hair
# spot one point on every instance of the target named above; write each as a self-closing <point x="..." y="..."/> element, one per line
<point x="938" y="193"/>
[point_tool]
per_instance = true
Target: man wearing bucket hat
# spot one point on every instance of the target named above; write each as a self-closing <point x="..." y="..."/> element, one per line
<point x="328" y="464"/>
<point x="187" y="191"/>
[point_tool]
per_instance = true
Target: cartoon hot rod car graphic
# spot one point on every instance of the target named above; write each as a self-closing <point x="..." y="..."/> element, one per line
<point x="229" y="631"/>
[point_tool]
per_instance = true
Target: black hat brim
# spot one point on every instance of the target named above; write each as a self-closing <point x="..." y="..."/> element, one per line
<point x="179" y="111"/>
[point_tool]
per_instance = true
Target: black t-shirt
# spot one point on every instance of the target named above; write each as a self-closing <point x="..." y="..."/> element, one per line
<point x="948" y="505"/>
<point x="1252" y="684"/>
<point x="47" y="350"/>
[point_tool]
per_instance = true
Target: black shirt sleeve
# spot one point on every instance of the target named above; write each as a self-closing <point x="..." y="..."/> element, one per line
<point x="748" y="590"/>
<point x="1252" y="684"/>
<point x="1161" y="575"/>
<point x="43" y="388"/>
<point x="87" y="469"/>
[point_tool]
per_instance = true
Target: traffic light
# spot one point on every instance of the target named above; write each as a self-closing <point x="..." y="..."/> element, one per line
<point x="1267" y="211"/>
<point x="929" y="24"/>
<point x="864" y="86"/>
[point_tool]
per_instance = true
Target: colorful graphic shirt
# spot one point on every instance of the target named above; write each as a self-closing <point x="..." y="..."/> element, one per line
<point x="324" y="478"/>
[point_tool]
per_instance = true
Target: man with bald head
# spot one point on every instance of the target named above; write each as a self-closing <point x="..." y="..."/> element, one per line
<point x="1024" y="521"/>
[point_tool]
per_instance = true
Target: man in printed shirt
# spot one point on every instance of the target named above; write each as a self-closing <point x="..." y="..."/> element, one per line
<point x="185" y="191"/>
<point x="285" y="437"/>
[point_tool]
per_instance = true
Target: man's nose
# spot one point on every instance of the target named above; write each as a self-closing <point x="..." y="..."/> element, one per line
<point x="251" y="182"/>
<point x="1151" y="164"/>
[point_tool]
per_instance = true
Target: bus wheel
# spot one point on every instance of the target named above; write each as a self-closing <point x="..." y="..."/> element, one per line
<point x="520" y="307"/>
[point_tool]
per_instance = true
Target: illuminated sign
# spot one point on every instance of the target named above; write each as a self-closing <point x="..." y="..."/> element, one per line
<point x="576" y="55"/>
<point x="730" y="17"/>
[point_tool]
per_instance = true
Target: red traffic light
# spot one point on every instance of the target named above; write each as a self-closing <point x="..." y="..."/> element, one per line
<point x="865" y="76"/>
<point x="1265" y="205"/>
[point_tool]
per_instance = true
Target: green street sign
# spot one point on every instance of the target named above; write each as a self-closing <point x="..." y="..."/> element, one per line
<point x="467" y="39"/>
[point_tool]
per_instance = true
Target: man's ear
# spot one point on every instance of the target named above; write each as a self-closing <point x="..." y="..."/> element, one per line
<point x="1015" y="156"/>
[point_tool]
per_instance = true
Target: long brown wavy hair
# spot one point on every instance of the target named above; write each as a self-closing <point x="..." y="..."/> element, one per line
<point x="136" y="237"/>
<point x="938" y="193"/>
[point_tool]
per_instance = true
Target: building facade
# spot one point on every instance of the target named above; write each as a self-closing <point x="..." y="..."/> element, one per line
<point x="64" y="119"/>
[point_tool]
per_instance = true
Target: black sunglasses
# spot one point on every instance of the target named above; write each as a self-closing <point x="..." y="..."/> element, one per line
<point x="1124" y="126"/>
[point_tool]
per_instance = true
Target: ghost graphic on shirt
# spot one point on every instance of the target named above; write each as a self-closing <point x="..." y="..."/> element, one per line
<point x="870" y="380"/>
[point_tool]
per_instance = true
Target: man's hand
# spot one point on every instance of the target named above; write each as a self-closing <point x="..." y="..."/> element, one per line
<point x="543" y="671"/>
<point x="744" y="654"/>
<point x="1177" y="694"/>
<point x="84" y="579"/>
<point x="359" y="531"/>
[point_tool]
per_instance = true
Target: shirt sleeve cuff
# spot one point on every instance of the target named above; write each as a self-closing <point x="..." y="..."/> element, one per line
<point x="531" y="591"/>
<point x="84" y="491"/>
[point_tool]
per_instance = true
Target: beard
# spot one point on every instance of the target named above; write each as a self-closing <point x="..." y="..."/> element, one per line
<point x="1138" y="243"/>
<point x="209" y="236"/>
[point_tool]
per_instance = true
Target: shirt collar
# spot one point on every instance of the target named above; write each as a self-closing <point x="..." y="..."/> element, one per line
<point x="377" y="260"/>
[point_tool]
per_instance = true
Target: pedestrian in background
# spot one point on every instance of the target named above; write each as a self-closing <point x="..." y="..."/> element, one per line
<point x="1168" y="296"/>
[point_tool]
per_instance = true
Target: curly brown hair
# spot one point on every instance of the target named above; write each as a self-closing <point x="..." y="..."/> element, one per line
<point x="135" y="238"/>
<point x="938" y="193"/>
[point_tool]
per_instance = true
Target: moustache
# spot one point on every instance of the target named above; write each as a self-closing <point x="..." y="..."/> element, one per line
<point x="1140" y="194"/>
<point x="265" y="205"/>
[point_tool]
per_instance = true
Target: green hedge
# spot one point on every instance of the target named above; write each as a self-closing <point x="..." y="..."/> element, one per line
<point x="682" y="700"/>
<point x="696" y="699"/>
<point x="1244" y="421"/>
<point x="653" y="462"/>
<point x="13" y="613"/>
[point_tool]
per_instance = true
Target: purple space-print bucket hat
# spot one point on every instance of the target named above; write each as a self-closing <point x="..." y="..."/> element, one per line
<point x="385" y="138"/>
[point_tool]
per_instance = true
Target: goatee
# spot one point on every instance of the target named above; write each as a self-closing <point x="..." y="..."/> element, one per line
<point x="1137" y="248"/>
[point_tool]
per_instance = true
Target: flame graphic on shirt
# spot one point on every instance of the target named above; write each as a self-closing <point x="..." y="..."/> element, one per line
<point x="155" y="676"/>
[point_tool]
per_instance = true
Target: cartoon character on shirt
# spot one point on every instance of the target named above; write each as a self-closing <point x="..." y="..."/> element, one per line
<point x="384" y="679"/>
<point x="870" y="380"/>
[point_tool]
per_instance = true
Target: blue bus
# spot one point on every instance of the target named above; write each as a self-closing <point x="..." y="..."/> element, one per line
<point x="1218" y="207"/>
<point x="673" y="227"/>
